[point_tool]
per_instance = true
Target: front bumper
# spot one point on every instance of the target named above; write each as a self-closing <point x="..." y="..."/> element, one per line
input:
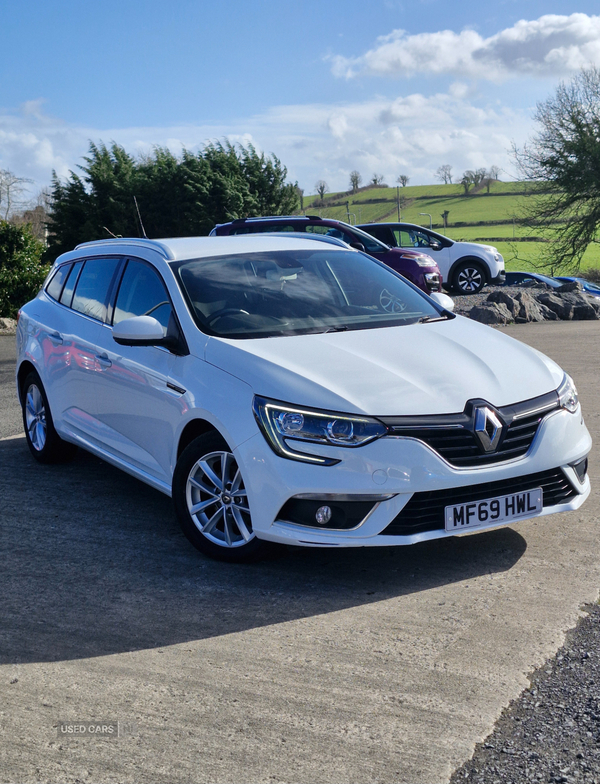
<point x="386" y="474"/>
<point x="433" y="281"/>
<point x="499" y="280"/>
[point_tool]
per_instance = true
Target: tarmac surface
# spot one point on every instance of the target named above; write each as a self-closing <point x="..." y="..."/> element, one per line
<point x="378" y="665"/>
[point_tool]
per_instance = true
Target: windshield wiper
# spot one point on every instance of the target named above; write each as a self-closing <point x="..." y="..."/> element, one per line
<point x="342" y="328"/>
<point x="429" y="319"/>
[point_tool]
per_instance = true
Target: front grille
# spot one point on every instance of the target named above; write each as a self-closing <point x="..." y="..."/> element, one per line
<point x="425" y="511"/>
<point x="452" y="436"/>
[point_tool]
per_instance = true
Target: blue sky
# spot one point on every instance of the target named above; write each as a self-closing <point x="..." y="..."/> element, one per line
<point x="385" y="86"/>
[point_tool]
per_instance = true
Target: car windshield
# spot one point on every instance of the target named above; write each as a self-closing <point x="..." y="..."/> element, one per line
<point x="298" y="292"/>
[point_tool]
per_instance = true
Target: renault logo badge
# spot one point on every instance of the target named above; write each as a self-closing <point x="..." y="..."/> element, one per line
<point x="488" y="428"/>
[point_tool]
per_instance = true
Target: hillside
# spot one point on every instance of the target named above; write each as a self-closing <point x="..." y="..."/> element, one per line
<point x="491" y="218"/>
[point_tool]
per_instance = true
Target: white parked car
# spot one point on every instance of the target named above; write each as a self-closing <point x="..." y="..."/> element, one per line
<point x="289" y="391"/>
<point x="466" y="267"/>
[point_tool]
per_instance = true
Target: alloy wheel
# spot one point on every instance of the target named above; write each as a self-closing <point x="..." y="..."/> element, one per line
<point x="470" y="280"/>
<point x="35" y="417"/>
<point x="217" y="500"/>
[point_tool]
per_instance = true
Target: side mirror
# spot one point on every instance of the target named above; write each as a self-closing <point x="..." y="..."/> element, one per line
<point x="435" y="245"/>
<point x="138" y="331"/>
<point x="443" y="299"/>
<point x="358" y="246"/>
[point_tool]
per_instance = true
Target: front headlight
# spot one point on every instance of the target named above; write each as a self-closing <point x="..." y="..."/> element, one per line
<point x="567" y="395"/>
<point x="286" y="426"/>
<point x="424" y="261"/>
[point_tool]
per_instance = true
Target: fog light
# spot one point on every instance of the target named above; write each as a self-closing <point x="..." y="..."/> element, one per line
<point x="323" y="515"/>
<point x="581" y="467"/>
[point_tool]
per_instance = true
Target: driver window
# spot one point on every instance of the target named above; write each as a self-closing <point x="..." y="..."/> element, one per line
<point x="142" y="293"/>
<point x="412" y="238"/>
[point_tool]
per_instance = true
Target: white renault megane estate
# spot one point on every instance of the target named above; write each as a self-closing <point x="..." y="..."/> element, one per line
<point x="287" y="390"/>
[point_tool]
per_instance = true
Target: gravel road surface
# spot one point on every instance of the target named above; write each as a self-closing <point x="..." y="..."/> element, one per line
<point x="386" y="665"/>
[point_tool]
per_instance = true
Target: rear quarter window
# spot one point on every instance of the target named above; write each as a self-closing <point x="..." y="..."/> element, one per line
<point x="57" y="281"/>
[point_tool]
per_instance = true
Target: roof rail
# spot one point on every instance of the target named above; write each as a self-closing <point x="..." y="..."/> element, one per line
<point x="303" y="235"/>
<point x="138" y="241"/>
<point x="273" y="217"/>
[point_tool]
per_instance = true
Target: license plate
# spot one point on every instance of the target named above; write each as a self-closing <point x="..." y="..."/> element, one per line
<point x="492" y="511"/>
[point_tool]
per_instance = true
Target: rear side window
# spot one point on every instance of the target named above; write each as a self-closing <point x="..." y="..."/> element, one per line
<point x="67" y="294"/>
<point x="93" y="287"/>
<point x="55" y="286"/>
<point x="384" y="234"/>
<point x="142" y="293"/>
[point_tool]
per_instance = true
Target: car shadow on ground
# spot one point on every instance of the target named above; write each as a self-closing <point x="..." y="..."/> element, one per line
<point x="94" y="563"/>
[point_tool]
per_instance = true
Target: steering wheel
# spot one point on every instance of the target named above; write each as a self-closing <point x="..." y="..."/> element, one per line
<point x="390" y="303"/>
<point x="225" y="312"/>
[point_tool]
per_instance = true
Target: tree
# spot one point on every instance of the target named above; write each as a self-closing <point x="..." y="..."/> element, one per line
<point x="479" y="176"/>
<point x="444" y="174"/>
<point x="177" y="195"/>
<point x="11" y="189"/>
<point x="21" y="269"/>
<point x="321" y="187"/>
<point x="355" y="180"/>
<point x="468" y="179"/>
<point x="377" y="179"/>
<point x="562" y="163"/>
<point x="494" y="172"/>
<point x="403" y="180"/>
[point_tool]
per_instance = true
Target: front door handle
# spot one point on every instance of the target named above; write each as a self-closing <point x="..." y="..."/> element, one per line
<point x="56" y="338"/>
<point x="103" y="360"/>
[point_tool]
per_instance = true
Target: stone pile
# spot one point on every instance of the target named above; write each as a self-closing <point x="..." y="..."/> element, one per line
<point x="569" y="302"/>
<point x="8" y="326"/>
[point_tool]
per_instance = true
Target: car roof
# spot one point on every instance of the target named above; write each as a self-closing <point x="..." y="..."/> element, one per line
<point x="181" y="248"/>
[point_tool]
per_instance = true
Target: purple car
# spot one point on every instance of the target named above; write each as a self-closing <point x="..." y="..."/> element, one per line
<point x="417" y="267"/>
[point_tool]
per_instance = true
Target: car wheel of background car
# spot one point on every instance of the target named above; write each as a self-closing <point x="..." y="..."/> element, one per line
<point x="212" y="504"/>
<point x="468" y="278"/>
<point x="42" y="439"/>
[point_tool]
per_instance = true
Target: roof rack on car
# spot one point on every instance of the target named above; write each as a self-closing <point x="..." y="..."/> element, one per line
<point x="274" y="217"/>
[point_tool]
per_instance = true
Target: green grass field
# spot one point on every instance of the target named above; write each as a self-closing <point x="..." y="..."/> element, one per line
<point x="489" y="218"/>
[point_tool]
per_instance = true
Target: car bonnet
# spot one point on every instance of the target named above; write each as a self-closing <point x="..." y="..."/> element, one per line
<point x="408" y="370"/>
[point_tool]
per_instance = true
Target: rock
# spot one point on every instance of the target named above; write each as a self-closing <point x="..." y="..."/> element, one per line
<point x="492" y="313"/>
<point x="530" y="309"/>
<point x="547" y="313"/>
<point x="557" y="304"/>
<point x="583" y="310"/>
<point x="572" y="285"/>
<point x="502" y="297"/>
<point x="8" y="326"/>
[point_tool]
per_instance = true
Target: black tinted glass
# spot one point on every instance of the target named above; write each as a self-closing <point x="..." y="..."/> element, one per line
<point x="93" y="287"/>
<point x="67" y="294"/>
<point x="298" y="292"/>
<point x="142" y="293"/>
<point x="54" y="287"/>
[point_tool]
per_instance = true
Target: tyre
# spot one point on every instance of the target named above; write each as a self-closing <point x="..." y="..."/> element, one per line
<point x="42" y="439"/>
<point x="212" y="504"/>
<point x="468" y="278"/>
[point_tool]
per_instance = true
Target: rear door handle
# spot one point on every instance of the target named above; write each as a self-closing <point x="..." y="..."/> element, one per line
<point x="103" y="360"/>
<point x="56" y="338"/>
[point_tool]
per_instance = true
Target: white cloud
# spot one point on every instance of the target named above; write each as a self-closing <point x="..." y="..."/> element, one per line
<point x="411" y="134"/>
<point x="552" y="45"/>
